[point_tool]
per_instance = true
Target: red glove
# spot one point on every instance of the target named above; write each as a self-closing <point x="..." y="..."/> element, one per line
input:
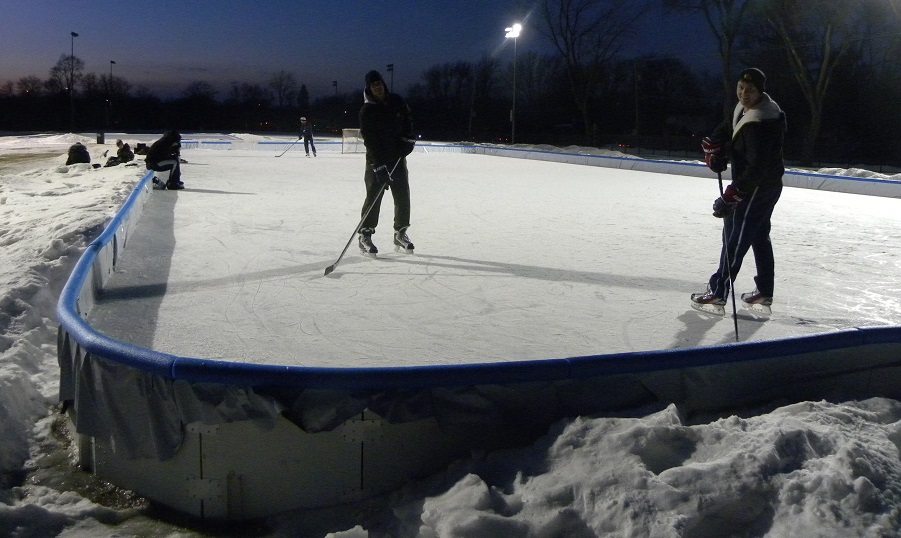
<point x="732" y="195"/>
<point x="725" y="204"/>
<point x="714" y="154"/>
<point x="710" y="145"/>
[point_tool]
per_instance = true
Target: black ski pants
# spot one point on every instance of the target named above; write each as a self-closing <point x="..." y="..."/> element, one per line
<point x="748" y="228"/>
<point x="307" y="142"/>
<point x="400" y="191"/>
<point x="170" y="165"/>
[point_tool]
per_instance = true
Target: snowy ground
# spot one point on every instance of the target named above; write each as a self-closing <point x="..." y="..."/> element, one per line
<point x="809" y="469"/>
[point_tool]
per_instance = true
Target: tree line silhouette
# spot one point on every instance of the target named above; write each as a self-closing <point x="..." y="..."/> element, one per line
<point x="833" y="69"/>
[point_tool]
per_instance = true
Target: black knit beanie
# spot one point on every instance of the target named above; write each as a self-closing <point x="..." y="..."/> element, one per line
<point x="373" y="76"/>
<point x="754" y="76"/>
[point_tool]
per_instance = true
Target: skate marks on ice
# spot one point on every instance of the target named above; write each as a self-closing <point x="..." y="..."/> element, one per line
<point x="702" y="328"/>
<point x="602" y="276"/>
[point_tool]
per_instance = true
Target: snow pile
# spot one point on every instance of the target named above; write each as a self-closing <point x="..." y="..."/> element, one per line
<point x="858" y="172"/>
<point x="810" y="469"/>
<point x="48" y="214"/>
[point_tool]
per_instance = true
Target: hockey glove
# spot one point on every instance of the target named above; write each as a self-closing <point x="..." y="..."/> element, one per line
<point x="732" y="195"/>
<point x="715" y="163"/>
<point x="725" y="204"/>
<point x="406" y="145"/>
<point x="714" y="155"/>
<point x="382" y="175"/>
<point x="722" y="209"/>
<point x="710" y="145"/>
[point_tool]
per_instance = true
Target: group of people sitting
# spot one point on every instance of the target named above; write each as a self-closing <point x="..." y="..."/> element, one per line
<point x="164" y="155"/>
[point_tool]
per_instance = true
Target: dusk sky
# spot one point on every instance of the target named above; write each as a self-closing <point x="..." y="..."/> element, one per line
<point x="166" y="44"/>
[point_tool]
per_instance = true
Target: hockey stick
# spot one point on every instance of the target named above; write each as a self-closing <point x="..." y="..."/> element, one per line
<point x="378" y="199"/>
<point x="719" y="177"/>
<point x="289" y="147"/>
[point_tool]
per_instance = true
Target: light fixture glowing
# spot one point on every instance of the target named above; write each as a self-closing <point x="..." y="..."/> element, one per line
<point x="513" y="31"/>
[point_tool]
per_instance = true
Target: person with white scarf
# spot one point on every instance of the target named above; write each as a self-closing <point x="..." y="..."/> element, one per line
<point x="753" y="140"/>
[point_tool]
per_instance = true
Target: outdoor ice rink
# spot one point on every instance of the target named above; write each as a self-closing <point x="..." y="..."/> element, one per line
<point x="515" y="260"/>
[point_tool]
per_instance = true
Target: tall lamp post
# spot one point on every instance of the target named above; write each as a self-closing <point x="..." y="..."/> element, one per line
<point x="337" y="107"/>
<point x="513" y="32"/>
<point x="391" y="70"/>
<point x="72" y="84"/>
<point x="109" y="94"/>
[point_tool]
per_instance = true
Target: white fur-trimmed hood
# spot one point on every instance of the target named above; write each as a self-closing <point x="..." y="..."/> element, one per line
<point x="765" y="110"/>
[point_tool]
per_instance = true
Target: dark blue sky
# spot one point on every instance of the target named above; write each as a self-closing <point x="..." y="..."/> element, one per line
<point x="166" y="44"/>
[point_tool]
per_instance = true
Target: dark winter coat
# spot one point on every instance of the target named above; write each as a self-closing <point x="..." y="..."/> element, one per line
<point x="125" y="154"/>
<point x="306" y="130"/>
<point x="386" y="128"/>
<point x="78" y="153"/>
<point x="756" y="143"/>
<point x="166" y="148"/>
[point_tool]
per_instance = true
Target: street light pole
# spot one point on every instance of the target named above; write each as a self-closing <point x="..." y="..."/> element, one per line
<point x="72" y="84"/>
<point x="337" y="106"/>
<point x="109" y="95"/>
<point x="513" y="32"/>
<point x="391" y="70"/>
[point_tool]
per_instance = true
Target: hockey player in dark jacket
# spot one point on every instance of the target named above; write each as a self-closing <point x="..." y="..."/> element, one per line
<point x="165" y="155"/>
<point x="753" y="139"/>
<point x="306" y="133"/>
<point x="387" y="131"/>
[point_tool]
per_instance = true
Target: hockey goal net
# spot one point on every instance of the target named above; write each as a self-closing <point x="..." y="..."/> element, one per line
<point x="351" y="141"/>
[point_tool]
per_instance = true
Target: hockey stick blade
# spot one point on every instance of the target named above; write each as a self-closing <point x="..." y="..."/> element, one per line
<point x="378" y="199"/>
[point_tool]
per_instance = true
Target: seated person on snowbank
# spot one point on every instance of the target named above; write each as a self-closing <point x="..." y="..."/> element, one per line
<point x="123" y="154"/>
<point x="78" y="153"/>
<point x="164" y="155"/>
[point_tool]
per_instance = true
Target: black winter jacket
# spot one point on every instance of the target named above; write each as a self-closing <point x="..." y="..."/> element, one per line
<point x="756" y="145"/>
<point x="167" y="148"/>
<point x="386" y="128"/>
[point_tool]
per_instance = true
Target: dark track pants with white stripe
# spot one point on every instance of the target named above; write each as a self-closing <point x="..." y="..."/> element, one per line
<point x="400" y="191"/>
<point x="748" y="227"/>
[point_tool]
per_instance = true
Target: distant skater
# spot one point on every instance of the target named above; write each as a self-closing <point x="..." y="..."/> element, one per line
<point x="387" y="130"/>
<point x="306" y="132"/>
<point x="753" y="139"/>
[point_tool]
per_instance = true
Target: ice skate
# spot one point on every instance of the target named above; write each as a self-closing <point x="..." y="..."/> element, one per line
<point x="367" y="247"/>
<point x="402" y="242"/>
<point x="158" y="184"/>
<point x="708" y="303"/>
<point x="757" y="303"/>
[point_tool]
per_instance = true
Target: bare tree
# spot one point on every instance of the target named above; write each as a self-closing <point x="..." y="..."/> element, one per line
<point x="249" y="94"/>
<point x="816" y="42"/>
<point x="199" y="89"/>
<point x="484" y="81"/>
<point x="284" y="86"/>
<point x="91" y="86"/>
<point x="537" y="74"/>
<point x="588" y="34"/>
<point x="66" y="73"/>
<point x="30" y="85"/>
<point x="725" y="20"/>
<point x="303" y="99"/>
